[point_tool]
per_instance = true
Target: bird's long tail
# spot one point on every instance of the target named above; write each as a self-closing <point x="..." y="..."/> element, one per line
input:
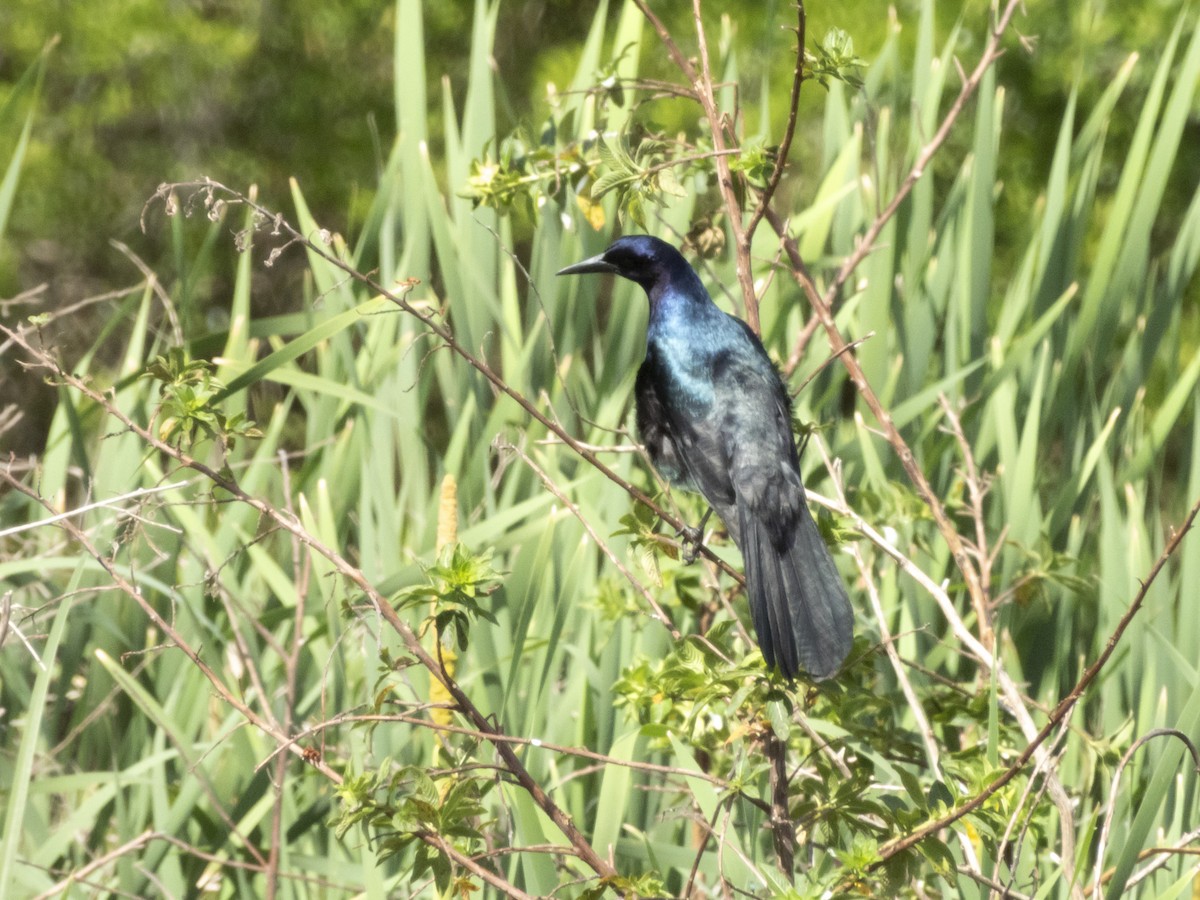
<point x="799" y="604"/>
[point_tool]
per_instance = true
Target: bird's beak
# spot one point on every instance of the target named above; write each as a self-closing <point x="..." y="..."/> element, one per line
<point x="593" y="264"/>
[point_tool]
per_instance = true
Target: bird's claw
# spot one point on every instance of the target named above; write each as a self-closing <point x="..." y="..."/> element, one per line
<point x="692" y="538"/>
<point x="690" y="542"/>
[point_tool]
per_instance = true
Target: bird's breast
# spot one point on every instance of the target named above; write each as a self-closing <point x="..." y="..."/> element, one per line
<point x="684" y="372"/>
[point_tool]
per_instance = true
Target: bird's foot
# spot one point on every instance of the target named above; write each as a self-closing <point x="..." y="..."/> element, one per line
<point x="692" y="538"/>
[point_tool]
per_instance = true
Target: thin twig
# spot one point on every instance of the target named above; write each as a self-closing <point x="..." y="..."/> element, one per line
<point x="1106" y="829"/>
<point x="1059" y="712"/>
<point x="1044" y="768"/>
<point x="925" y="155"/>
<point x="789" y="131"/>
<point x="353" y="574"/>
<point x="932" y="754"/>
<point x="1164" y="854"/>
<point x="99" y="862"/>
<point x="975" y="491"/>
<point x="517" y="741"/>
<point x="783" y="832"/>
<point x="112" y="503"/>
<point x="451" y="852"/>
<point x="704" y="839"/>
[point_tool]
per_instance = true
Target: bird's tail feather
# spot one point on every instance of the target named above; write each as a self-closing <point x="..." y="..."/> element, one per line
<point x="799" y="605"/>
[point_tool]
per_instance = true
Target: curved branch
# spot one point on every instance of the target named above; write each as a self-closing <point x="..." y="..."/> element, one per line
<point x="1058" y="713"/>
<point x="1116" y="780"/>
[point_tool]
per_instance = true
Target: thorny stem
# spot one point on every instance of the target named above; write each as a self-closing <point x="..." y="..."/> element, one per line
<point x="970" y="85"/>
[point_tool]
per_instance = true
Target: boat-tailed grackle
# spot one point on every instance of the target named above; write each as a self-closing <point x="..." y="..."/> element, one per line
<point x="716" y="417"/>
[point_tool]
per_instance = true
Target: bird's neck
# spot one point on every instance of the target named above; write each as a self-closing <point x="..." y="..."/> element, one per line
<point x="681" y="296"/>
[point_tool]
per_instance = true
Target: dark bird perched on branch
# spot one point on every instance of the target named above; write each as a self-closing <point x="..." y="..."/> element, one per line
<point x="715" y="417"/>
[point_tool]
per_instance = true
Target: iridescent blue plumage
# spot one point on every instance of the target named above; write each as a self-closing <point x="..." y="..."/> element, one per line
<point x="715" y="417"/>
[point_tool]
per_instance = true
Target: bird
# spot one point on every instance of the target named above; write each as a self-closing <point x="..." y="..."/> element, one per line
<point x="715" y="417"/>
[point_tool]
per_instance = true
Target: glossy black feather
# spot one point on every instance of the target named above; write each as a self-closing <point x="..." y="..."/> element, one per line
<point x="715" y="417"/>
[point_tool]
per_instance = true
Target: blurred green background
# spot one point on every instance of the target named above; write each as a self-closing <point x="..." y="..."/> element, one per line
<point x="138" y="92"/>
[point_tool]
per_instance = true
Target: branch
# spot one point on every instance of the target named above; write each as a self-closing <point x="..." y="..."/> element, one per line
<point x="112" y="503"/>
<point x="433" y="839"/>
<point x="789" y="131"/>
<point x="702" y="83"/>
<point x="354" y="575"/>
<point x="536" y="743"/>
<point x="1059" y="712"/>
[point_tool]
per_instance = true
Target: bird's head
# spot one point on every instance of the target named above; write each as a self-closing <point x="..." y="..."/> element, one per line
<point x="639" y="257"/>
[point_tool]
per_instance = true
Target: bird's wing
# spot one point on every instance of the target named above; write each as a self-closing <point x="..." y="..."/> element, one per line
<point x="801" y="612"/>
<point x="692" y="440"/>
<point x="754" y="424"/>
<point x="656" y="427"/>
<point x="737" y="450"/>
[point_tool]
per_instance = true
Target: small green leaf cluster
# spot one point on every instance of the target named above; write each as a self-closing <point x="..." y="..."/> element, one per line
<point x="523" y="172"/>
<point x="631" y="887"/>
<point x="189" y="395"/>
<point x="407" y="811"/>
<point x="626" y="155"/>
<point x="702" y="687"/>
<point x="756" y="161"/>
<point x="454" y="588"/>
<point x="834" y="59"/>
<point x="639" y="179"/>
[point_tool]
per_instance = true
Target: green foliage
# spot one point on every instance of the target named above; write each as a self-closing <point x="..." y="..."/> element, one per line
<point x="187" y="391"/>
<point x="834" y="59"/>
<point x="626" y="153"/>
<point x="397" y="806"/>
<point x="457" y="584"/>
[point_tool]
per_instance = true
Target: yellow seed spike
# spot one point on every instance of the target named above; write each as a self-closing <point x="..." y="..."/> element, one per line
<point x="447" y="536"/>
<point x="447" y="530"/>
